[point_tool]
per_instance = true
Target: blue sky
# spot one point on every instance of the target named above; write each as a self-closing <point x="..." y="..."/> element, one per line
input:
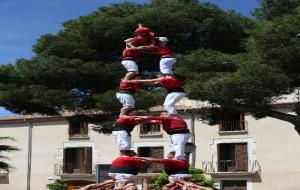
<point x="23" y="21"/>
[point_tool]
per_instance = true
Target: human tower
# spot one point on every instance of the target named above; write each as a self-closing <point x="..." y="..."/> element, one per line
<point x="124" y="169"/>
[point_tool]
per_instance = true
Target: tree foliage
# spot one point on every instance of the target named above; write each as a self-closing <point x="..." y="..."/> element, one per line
<point x="198" y="178"/>
<point x="270" y="9"/>
<point x="79" y="69"/>
<point x="57" y="185"/>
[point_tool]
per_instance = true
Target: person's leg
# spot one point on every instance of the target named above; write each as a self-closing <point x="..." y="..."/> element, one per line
<point x="124" y="110"/>
<point x="166" y="65"/>
<point x="123" y="140"/>
<point x="179" y="141"/>
<point x="127" y="101"/>
<point x="130" y="74"/>
<point x="171" y="100"/>
<point x="130" y="65"/>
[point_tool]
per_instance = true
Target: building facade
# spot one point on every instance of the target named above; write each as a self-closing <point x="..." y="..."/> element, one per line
<point x="239" y="153"/>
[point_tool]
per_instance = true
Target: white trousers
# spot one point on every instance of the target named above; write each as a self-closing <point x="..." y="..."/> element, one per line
<point x="166" y="65"/>
<point x="178" y="143"/>
<point x="170" y="101"/>
<point x="123" y="140"/>
<point x="126" y="100"/>
<point x="130" y="65"/>
<point x="123" y="177"/>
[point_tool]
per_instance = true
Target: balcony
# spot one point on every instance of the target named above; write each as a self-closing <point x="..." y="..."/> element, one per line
<point x="231" y="168"/>
<point x="74" y="170"/>
<point x="233" y="127"/>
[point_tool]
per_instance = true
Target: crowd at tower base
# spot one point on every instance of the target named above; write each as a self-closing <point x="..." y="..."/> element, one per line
<point x="124" y="169"/>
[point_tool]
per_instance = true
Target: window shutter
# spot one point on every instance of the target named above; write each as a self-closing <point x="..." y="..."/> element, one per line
<point x="241" y="157"/>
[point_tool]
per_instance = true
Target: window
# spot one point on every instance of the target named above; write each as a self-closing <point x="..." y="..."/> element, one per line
<point x="154" y="152"/>
<point x="102" y="171"/>
<point x="234" y="185"/>
<point x="77" y="160"/>
<point x="150" y="129"/>
<point x="232" y="157"/>
<point x="78" y="129"/>
<point x="232" y="121"/>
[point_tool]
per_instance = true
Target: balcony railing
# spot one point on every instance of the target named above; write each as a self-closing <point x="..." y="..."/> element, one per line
<point x="73" y="168"/>
<point x="151" y="168"/>
<point x="232" y="126"/>
<point x="231" y="166"/>
<point x="82" y="132"/>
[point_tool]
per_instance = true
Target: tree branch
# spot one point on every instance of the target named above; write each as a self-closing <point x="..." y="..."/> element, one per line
<point x="293" y="119"/>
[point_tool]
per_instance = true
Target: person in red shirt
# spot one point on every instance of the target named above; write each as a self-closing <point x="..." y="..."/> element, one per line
<point x="129" y="61"/>
<point x="167" y="56"/>
<point x="142" y="43"/>
<point x="122" y="129"/>
<point x="145" y="37"/>
<point x="124" y="169"/>
<point x="178" y="130"/>
<point x="125" y="93"/>
<point x="174" y="168"/>
<point x="172" y="85"/>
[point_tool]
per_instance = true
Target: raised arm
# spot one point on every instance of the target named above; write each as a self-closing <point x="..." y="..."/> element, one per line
<point x="147" y="81"/>
<point x="158" y="118"/>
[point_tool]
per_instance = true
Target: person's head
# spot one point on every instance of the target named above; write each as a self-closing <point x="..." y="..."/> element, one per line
<point x="129" y="153"/>
<point x="163" y="114"/>
<point x="142" y="31"/>
<point x="162" y="41"/>
<point x="130" y="112"/>
<point x="171" y="155"/>
<point x="166" y="114"/>
<point x="136" y="76"/>
<point x="159" y="75"/>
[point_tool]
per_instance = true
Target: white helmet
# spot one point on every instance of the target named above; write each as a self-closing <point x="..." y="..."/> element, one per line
<point x="163" y="39"/>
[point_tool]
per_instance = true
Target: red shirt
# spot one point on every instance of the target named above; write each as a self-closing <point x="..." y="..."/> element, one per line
<point x="170" y="83"/>
<point x="127" y="161"/>
<point x="172" y="124"/>
<point x="130" y="86"/>
<point x="126" y="164"/>
<point x="145" y="40"/>
<point x="126" y="123"/>
<point x="175" y="164"/>
<point x="131" y="52"/>
<point x="163" y="51"/>
<point x="127" y="119"/>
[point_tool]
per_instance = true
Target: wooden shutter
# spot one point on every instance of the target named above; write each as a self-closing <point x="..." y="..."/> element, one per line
<point x="88" y="159"/>
<point x="241" y="157"/>
<point x="67" y="160"/>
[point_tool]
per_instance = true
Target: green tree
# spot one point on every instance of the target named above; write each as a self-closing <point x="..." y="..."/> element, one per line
<point x="270" y="9"/>
<point x="250" y="81"/>
<point x="197" y="177"/>
<point x="232" y="61"/>
<point x="4" y="149"/>
<point x="57" y="185"/>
